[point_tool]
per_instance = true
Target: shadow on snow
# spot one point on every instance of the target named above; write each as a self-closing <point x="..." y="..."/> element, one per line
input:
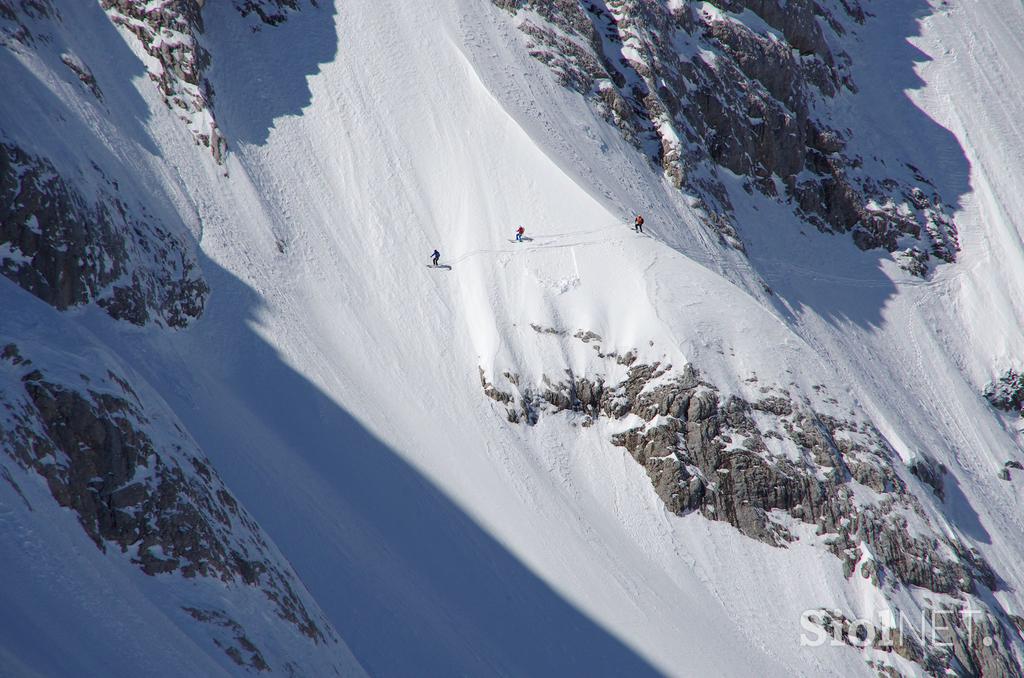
<point x="260" y="73"/>
<point x="828" y="274"/>
<point x="410" y="581"/>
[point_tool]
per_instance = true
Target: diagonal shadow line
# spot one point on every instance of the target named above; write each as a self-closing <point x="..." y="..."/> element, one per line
<point x="42" y="122"/>
<point x="260" y="73"/>
<point x="837" y="281"/>
<point x="411" y="582"/>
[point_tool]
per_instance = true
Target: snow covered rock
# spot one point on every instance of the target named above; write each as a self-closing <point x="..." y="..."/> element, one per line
<point x="170" y="32"/>
<point x="84" y="73"/>
<point x="771" y="466"/>
<point x="1007" y="392"/>
<point x="632" y="488"/>
<point x="714" y="89"/>
<point x="271" y="12"/>
<point x="69" y="250"/>
<point x="139" y="486"/>
<point x="17" y="17"/>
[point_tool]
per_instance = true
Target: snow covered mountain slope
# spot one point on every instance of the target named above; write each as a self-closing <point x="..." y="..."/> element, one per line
<point x="594" y="452"/>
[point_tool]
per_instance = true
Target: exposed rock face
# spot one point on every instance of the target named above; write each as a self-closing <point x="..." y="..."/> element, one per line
<point x="739" y="85"/>
<point x="1007" y="392"/>
<point x="139" y="485"/>
<point x="69" y="250"/>
<point x="170" y="31"/>
<point x="931" y="473"/>
<point x="84" y="74"/>
<point x="978" y="643"/>
<point x="706" y="453"/>
<point x="16" y="17"/>
<point x="768" y="466"/>
<point x="76" y="439"/>
<point x="234" y="641"/>
<point x="271" y="12"/>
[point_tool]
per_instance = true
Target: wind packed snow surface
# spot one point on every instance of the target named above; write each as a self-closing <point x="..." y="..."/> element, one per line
<point x="395" y="469"/>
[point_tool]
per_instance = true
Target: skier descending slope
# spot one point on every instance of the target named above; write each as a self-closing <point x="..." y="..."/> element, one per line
<point x="638" y="224"/>
<point x="435" y="257"/>
<point x="519" y="234"/>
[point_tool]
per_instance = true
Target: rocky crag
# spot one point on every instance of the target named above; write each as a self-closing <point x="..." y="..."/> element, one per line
<point x="71" y="245"/>
<point x="744" y="88"/>
<point x="170" y="31"/>
<point x="75" y="230"/>
<point x="140" y="487"/>
<point x="1007" y="392"/>
<point x="69" y="250"/>
<point x="782" y="467"/>
<point x="71" y="231"/>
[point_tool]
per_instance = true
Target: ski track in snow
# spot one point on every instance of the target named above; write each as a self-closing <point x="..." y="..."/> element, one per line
<point x="334" y="380"/>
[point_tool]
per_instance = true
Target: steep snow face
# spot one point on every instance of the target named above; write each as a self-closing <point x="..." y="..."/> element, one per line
<point x="176" y="571"/>
<point x="79" y="222"/>
<point x="765" y="90"/>
<point x="594" y="451"/>
<point x="126" y="551"/>
<point x="517" y="149"/>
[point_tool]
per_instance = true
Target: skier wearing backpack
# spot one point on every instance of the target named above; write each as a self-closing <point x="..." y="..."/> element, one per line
<point x="434" y="257"/>
<point x="638" y="224"/>
<point x="519" y="234"/>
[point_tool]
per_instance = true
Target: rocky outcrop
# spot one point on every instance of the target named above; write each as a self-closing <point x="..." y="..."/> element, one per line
<point x="270" y="12"/>
<point x="741" y="86"/>
<point x="706" y="453"/>
<point x="139" y="486"/>
<point x="69" y="250"/>
<point x="1007" y="392"/>
<point x="931" y="473"/>
<point x="17" y="17"/>
<point x="166" y="509"/>
<point x="70" y="232"/>
<point x="170" y="32"/>
<point x="83" y="73"/>
<point x="233" y="639"/>
<point x="977" y="642"/>
<point x="768" y="466"/>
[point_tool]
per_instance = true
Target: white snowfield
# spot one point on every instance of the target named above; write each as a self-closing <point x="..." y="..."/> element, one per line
<point x="334" y="379"/>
